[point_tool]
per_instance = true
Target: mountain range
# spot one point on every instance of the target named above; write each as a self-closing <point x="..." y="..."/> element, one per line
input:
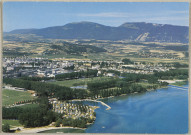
<point x="133" y="31"/>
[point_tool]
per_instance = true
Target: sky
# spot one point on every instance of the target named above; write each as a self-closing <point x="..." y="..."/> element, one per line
<point x="23" y="15"/>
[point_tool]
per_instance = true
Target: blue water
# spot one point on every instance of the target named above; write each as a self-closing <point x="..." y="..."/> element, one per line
<point x="159" y="111"/>
<point x="162" y="111"/>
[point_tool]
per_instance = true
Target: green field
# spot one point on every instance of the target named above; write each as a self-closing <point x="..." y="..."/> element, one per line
<point x="12" y="123"/>
<point x="180" y="83"/>
<point x="77" y="82"/>
<point x="146" y="84"/>
<point x="11" y="96"/>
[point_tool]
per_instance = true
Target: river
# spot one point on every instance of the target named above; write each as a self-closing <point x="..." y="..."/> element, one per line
<point x="159" y="111"/>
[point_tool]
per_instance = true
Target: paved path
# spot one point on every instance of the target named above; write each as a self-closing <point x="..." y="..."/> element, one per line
<point x="18" y="105"/>
<point x="40" y="129"/>
<point x="108" y="107"/>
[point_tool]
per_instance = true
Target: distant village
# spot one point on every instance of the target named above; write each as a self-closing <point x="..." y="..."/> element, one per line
<point x="43" y="67"/>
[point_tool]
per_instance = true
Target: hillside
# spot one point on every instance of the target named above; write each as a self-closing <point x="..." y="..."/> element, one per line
<point x="75" y="49"/>
<point x="140" y="31"/>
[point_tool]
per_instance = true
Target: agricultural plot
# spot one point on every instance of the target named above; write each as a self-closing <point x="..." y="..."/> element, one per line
<point x="12" y="96"/>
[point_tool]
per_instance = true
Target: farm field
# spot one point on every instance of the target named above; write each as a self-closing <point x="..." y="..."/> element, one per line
<point x="114" y="51"/>
<point x="11" y="96"/>
<point x="157" y="60"/>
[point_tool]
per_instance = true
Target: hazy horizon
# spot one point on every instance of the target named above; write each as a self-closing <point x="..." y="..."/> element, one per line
<point x="95" y="22"/>
<point x="27" y="15"/>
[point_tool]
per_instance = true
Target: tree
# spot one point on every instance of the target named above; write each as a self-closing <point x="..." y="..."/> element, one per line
<point x="127" y="61"/>
<point x="36" y="117"/>
<point x="6" y="127"/>
<point x="58" y="122"/>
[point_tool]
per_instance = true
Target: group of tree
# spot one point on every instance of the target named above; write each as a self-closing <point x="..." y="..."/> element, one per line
<point x="69" y="67"/>
<point x="172" y="74"/>
<point x="79" y="122"/>
<point x="66" y="93"/>
<point x="36" y="78"/>
<point x="34" y="116"/>
<point x="132" y="88"/>
<point x="102" y="84"/>
<point x="6" y="127"/>
<point x="96" y="86"/>
<point x="25" y="101"/>
<point x="76" y="75"/>
<point x="131" y="83"/>
<point x="11" y="113"/>
<point x="180" y="65"/>
<point x="127" y="61"/>
<point x="47" y="89"/>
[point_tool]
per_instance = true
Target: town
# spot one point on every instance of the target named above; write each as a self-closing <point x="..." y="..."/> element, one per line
<point x="43" y="67"/>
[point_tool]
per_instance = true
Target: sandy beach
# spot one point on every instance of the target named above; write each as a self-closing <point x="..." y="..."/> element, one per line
<point x="171" y="81"/>
<point x="39" y="129"/>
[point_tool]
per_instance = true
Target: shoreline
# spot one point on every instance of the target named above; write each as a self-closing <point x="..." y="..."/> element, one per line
<point x="40" y="129"/>
<point x="44" y="128"/>
<point x="172" y="81"/>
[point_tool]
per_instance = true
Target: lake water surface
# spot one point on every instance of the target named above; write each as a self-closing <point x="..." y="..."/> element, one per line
<point x="160" y="111"/>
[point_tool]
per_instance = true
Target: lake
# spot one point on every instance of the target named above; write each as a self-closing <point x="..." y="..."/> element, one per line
<point x="159" y="111"/>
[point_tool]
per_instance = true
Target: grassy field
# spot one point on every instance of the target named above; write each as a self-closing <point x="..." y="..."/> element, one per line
<point x="11" y="96"/>
<point x="146" y="84"/>
<point x="180" y="83"/>
<point x="78" y="82"/>
<point x="12" y="123"/>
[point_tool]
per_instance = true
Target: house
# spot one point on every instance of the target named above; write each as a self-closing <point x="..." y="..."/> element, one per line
<point x="110" y="74"/>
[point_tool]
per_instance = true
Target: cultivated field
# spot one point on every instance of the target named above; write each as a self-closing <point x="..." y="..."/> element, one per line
<point x="11" y="96"/>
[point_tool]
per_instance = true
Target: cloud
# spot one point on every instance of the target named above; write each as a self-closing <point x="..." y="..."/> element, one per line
<point x="167" y="19"/>
<point x="107" y="14"/>
<point x="178" y="12"/>
<point x="117" y="18"/>
<point x="130" y="14"/>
